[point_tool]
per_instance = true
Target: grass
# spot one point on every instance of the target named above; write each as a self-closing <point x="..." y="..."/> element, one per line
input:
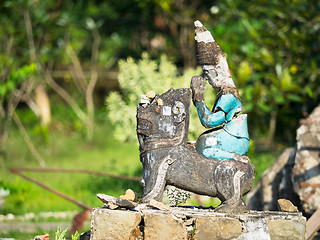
<point x="21" y="235"/>
<point x="67" y="148"/>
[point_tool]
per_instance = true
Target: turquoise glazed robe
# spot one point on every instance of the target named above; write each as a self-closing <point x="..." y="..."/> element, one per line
<point x="228" y="133"/>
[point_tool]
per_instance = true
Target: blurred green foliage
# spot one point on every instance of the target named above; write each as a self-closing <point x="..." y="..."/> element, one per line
<point x="137" y="78"/>
<point x="14" y="78"/>
<point x="272" y="46"/>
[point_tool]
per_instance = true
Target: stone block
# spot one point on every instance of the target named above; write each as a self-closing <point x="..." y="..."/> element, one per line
<point x="114" y="224"/>
<point x="284" y="229"/>
<point x="162" y="225"/>
<point x="217" y="228"/>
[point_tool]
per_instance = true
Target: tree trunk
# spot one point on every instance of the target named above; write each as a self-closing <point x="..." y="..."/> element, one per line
<point x="64" y="95"/>
<point x="3" y="134"/>
<point x="92" y="83"/>
<point x="43" y="103"/>
<point x="90" y="104"/>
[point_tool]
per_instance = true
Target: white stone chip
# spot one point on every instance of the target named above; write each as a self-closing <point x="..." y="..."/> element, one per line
<point x="166" y="111"/>
<point x="204" y="37"/>
<point x="211" y="141"/>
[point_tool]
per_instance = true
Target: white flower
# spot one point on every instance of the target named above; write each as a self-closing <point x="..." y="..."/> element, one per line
<point x="4" y="192"/>
<point x="214" y="9"/>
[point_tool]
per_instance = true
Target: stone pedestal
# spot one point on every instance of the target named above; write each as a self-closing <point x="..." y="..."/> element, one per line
<point x="194" y="223"/>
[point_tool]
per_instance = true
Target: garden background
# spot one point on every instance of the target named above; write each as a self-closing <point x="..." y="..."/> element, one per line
<point x="71" y="74"/>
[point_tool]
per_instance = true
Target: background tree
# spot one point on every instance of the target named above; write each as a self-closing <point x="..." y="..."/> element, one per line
<point x="272" y="48"/>
<point x="15" y="69"/>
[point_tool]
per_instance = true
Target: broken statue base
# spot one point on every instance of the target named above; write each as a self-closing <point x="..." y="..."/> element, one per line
<point x="195" y="223"/>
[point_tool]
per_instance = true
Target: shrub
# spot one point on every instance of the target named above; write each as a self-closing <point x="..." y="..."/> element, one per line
<point x="136" y="78"/>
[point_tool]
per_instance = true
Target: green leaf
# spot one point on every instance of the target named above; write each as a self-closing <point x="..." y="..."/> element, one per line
<point x="3" y="90"/>
<point x="266" y="56"/>
<point x="285" y="80"/>
<point x="294" y="97"/>
<point x="76" y="236"/>
<point x="244" y="72"/>
<point x="248" y="107"/>
<point x="264" y="107"/>
<point x="60" y="235"/>
<point x="279" y="70"/>
<point x="165" y="4"/>
<point x="22" y="73"/>
<point x="248" y="93"/>
<point x="279" y="98"/>
<point x="11" y="85"/>
<point x="309" y="91"/>
<point x="275" y="91"/>
<point x="250" y="28"/>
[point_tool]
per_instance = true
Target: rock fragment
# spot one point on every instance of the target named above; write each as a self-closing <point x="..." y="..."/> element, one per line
<point x="151" y="94"/>
<point x="111" y="201"/>
<point x="130" y="196"/>
<point x="144" y="99"/>
<point x="42" y="237"/>
<point x="158" y="205"/>
<point x="286" y="206"/>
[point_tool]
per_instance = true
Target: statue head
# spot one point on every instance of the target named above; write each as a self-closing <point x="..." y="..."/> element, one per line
<point x="164" y="123"/>
<point x="212" y="60"/>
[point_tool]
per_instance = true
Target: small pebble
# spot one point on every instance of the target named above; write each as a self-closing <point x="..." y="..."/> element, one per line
<point x="130" y="195"/>
<point x="112" y="206"/>
<point x="151" y="94"/>
<point x="144" y="99"/>
<point x="286" y="206"/>
<point x="42" y="237"/>
<point x="189" y="228"/>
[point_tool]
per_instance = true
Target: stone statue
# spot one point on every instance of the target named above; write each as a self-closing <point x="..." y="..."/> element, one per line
<point x="167" y="158"/>
<point x="228" y="135"/>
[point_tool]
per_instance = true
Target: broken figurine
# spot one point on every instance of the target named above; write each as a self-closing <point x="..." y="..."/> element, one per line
<point x="228" y="137"/>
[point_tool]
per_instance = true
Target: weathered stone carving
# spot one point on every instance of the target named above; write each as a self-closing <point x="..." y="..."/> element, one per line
<point x="168" y="159"/>
<point x="162" y="128"/>
<point x="213" y="168"/>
